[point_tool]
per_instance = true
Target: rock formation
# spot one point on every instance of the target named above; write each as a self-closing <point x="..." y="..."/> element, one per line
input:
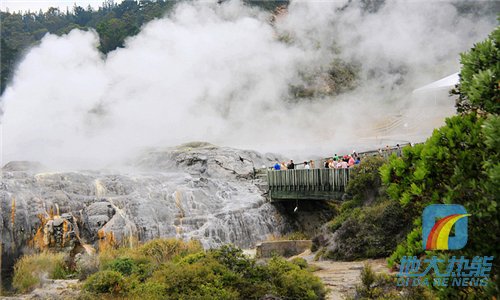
<point x="196" y="190"/>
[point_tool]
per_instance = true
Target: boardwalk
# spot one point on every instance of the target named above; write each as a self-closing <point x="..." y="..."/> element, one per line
<point x="314" y="184"/>
<point x="317" y="184"/>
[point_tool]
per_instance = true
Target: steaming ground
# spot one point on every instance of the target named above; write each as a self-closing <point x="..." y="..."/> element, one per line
<point x="222" y="73"/>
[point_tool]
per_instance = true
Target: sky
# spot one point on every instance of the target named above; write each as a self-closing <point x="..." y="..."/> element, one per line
<point x="35" y="5"/>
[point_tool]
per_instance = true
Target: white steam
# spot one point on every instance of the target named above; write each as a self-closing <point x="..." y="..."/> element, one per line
<point x="220" y="73"/>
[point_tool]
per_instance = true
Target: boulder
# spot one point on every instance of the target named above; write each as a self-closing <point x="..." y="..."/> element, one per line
<point x="284" y="248"/>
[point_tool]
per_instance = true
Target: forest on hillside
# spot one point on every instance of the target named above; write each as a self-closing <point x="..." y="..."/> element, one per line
<point x="112" y="21"/>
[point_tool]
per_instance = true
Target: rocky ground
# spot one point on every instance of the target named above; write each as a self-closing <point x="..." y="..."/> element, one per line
<point x="52" y="290"/>
<point x="342" y="277"/>
<point x="188" y="191"/>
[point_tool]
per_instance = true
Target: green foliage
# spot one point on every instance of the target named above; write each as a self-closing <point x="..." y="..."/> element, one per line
<point x="295" y="236"/>
<point x="459" y="168"/>
<point x="458" y="164"/>
<point x="410" y="246"/>
<point x="193" y="258"/>
<point x="365" y="181"/>
<point x="105" y="282"/>
<point x="291" y="281"/>
<point x="373" y="231"/>
<point x="7" y="60"/>
<point x="187" y="281"/>
<point x="232" y="258"/>
<point x="163" y="250"/>
<point x="368" y="225"/>
<point x="383" y="286"/>
<point x="270" y="5"/>
<point x="112" y="34"/>
<point x="171" y="269"/>
<point x="478" y="88"/>
<point x="491" y="131"/>
<point x="367" y="276"/>
<point x="149" y="290"/>
<point x="297" y="284"/>
<point x="299" y="261"/>
<point x="114" y="22"/>
<point x="31" y="269"/>
<point x="364" y="187"/>
<point x="343" y="76"/>
<point x="455" y="172"/>
<point x="339" y="77"/>
<point x="348" y="209"/>
<point x="125" y="265"/>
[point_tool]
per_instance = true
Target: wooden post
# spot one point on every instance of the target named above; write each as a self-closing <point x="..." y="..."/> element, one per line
<point x="294" y="180"/>
<point x="279" y="178"/>
<point x="288" y="176"/>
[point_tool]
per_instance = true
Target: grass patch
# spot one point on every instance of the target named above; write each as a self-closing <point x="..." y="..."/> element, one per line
<point x="383" y="286"/>
<point x="173" y="269"/>
<point x="31" y="270"/>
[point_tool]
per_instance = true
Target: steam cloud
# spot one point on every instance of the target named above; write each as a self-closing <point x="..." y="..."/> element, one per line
<point x="220" y="73"/>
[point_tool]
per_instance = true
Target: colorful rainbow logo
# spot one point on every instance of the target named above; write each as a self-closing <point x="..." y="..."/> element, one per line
<point x="437" y="222"/>
<point x="440" y="232"/>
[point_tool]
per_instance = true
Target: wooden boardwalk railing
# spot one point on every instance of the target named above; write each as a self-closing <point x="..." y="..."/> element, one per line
<point x="317" y="184"/>
<point x="313" y="184"/>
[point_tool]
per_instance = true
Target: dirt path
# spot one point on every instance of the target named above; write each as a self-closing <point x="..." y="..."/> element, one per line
<point x="342" y="277"/>
<point x="53" y="290"/>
